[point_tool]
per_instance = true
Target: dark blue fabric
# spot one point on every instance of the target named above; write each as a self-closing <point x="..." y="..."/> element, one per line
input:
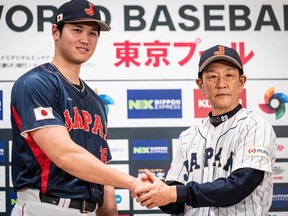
<point x="219" y="193"/>
<point x="81" y="112"/>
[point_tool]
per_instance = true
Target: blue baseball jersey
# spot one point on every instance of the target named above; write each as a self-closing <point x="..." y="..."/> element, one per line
<point x="41" y="98"/>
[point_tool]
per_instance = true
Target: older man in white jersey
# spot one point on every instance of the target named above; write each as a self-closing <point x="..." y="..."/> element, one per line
<point x="224" y="165"/>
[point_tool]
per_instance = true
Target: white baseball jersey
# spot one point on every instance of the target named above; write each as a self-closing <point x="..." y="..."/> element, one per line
<point x="206" y="153"/>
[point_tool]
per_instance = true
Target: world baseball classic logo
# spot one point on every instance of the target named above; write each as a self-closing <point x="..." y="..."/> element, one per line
<point x="274" y="103"/>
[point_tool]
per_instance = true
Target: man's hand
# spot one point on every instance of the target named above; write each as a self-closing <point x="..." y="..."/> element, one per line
<point x="142" y="183"/>
<point x="155" y="194"/>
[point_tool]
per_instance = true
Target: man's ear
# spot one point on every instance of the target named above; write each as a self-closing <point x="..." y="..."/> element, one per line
<point x="242" y="81"/>
<point x="200" y="84"/>
<point x="55" y="32"/>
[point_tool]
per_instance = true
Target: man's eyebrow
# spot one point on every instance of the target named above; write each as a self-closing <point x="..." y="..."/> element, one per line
<point x="80" y="25"/>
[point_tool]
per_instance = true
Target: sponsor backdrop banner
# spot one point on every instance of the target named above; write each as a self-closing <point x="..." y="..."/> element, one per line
<point x="144" y="69"/>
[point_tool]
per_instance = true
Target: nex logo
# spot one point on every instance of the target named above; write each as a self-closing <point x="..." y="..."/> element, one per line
<point x="141" y="150"/>
<point x="140" y="104"/>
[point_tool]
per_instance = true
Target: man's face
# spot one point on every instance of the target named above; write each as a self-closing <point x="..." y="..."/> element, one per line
<point x="222" y="85"/>
<point x="77" y="42"/>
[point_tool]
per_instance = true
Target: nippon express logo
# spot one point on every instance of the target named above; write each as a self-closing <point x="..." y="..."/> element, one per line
<point x="1" y="105"/>
<point x="154" y="103"/>
<point x="280" y="197"/>
<point x="274" y="103"/>
<point x="150" y="149"/>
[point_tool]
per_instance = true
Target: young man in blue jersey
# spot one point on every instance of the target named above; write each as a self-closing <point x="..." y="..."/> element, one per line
<point x="59" y="127"/>
<point x="223" y="166"/>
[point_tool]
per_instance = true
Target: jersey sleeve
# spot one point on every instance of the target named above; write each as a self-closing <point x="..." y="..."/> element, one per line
<point x="35" y="102"/>
<point x="257" y="146"/>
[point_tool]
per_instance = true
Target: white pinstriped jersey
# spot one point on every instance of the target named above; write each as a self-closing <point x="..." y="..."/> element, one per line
<point x="206" y="153"/>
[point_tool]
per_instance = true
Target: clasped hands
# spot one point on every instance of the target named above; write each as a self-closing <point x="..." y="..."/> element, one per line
<point x="152" y="192"/>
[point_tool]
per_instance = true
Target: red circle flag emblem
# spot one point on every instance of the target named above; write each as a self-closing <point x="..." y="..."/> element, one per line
<point x="42" y="113"/>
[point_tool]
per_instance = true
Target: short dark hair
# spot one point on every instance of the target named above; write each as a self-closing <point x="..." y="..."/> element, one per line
<point x="60" y="28"/>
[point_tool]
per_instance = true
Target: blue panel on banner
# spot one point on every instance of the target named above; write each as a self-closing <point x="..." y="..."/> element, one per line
<point x="150" y="149"/>
<point x="160" y="103"/>
<point x="1" y="105"/>
<point x="280" y="197"/>
<point x="2" y="151"/>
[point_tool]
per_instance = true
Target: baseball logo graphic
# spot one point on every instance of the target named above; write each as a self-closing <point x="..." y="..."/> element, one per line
<point x="274" y="103"/>
<point x="90" y="11"/>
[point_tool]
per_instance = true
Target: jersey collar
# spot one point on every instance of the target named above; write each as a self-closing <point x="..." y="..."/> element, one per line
<point x="217" y="120"/>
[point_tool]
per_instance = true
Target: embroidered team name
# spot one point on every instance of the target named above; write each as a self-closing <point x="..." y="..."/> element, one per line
<point x="208" y="156"/>
<point x="256" y="151"/>
<point x="83" y="121"/>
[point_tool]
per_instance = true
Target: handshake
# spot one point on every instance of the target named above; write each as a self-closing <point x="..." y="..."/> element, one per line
<point x="150" y="191"/>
